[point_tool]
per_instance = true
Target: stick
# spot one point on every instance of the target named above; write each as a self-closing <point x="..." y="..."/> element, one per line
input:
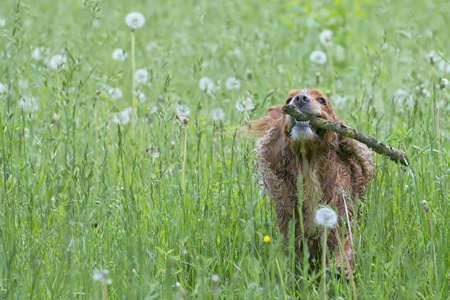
<point x="377" y="146"/>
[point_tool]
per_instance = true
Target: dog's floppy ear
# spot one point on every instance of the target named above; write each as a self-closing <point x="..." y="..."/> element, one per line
<point x="274" y="112"/>
<point x="258" y="127"/>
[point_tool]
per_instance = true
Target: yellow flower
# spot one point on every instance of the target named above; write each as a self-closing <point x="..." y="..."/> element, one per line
<point x="267" y="239"/>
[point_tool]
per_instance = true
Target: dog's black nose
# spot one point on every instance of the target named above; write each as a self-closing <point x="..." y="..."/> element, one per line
<point x="301" y="99"/>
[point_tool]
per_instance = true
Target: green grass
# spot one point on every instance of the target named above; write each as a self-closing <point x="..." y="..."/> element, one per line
<point x="80" y="193"/>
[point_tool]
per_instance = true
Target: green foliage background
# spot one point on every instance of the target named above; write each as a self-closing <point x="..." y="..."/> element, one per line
<point x="80" y="193"/>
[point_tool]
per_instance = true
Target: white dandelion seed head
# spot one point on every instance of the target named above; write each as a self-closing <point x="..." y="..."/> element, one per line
<point x="325" y="37"/>
<point x="141" y="76"/>
<point x="115" y="93"/>
<point x="57" y="61"/>
<point x="233" y="83"/>
<point x="152" y="46"/>
<point x="318" y="57"/>
<point x="400" y="94"/>
<point x="23" y="84"/>
<point x="96" y="23"/>
<point x="236" y="52"/>
<point x="135" y="20"/>
<point x="444" y="83"/>
<point x="244" y="104"/>
<point x="119" y="54"/>
<point x="218" y="114"/>
<point x="102" y="276"/>
<point x="403" y="98"/>
<point x="326" y="217"/>
<point x="425" y="92"/>
<point x="440" y="104"/>
<point x="206" y="84"/>
<point x="2" y="88"/>
<point x="123" y="117"/>
<point x="434" y="56"/>
<point x="182" y="110"/>
<point x="140" y="95"/>
<point x="28" y="104"/>
<point x="444" y="66"/>
<point x="152" y="108"/>
<point x="215" y="278"/>
<point x="339" y="100"/>
<point x="340" y="52"/>
<point x="38" y="53"/>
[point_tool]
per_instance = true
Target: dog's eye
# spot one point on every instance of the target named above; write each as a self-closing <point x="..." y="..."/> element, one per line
<point x="322" y="101"/>
<point x="288" y="100"/>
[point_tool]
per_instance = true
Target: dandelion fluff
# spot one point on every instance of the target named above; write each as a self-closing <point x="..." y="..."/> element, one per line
<point x="233" y="83"/>
<point x="140" y="95"/>
<point x="325" y="37"/>
<point x="38" y="53"/>
<point x="28" y="104"/>
<point x="57" y="61"/>
<point x="182" y="110"/>
<point x="244" y="104"/>
<point x="218" y="114"/>
<point x="141" y="76"/>
<point x="206" y="84"/>
<point x="102" y="276"/>
<point x="116" y="93"/>
<point x="444" y="83"/>
<point x="444" y="66"/>
<point x="326" y="217"/>
<point x="123" y="117"/>
<point x="152" y="46"/>
<point x="318" y="57"/>
<point x="433" y="56"/>
<point x="119" y="54"/>
<point x="135" y="20"/>
<point x="2" y="88"/>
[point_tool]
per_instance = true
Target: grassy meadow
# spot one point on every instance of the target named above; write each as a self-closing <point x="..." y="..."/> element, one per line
<point x="106" y="195"/>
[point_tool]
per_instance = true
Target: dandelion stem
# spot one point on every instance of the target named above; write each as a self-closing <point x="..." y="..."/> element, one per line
<point x="331" y="66"/>
<point x="348" y="220"/>
<point x="434" y="251"/>
<point x="437" y="124"/>
<point x="133" y="80"/>
<point x="183" y="180"/>
<point x="324" y="262"/>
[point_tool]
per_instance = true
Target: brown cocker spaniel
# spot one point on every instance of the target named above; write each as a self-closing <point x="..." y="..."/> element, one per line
<point x="332" y="170"/>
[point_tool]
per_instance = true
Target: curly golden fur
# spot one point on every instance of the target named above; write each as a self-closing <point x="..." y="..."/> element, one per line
<point x="332" y="170"/>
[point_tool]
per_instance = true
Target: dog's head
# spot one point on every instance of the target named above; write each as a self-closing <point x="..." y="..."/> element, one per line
<point x="285" y="139"/>
<point x="312" y="102"/>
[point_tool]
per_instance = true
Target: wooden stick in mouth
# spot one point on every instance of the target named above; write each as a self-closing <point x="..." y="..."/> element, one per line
<point x="377" y="146"/>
